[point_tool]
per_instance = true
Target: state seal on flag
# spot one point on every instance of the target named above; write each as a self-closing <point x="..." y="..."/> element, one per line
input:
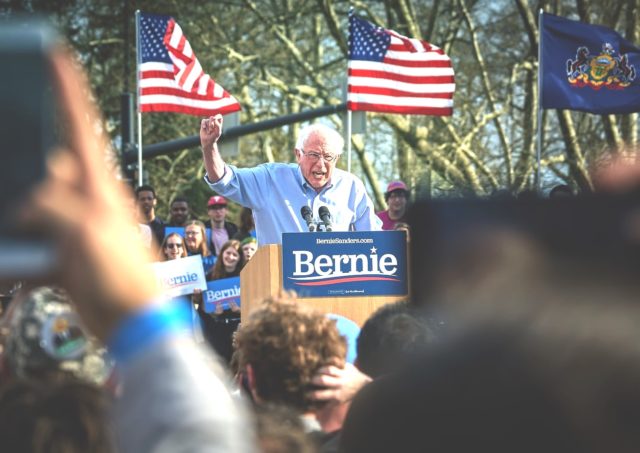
<point x="607" y="69"/>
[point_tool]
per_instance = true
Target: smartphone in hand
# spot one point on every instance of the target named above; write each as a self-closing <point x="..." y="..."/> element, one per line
<point x="27" y="110"/>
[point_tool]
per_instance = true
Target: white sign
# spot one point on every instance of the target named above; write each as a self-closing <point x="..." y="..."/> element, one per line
<point x="181" y="276"/>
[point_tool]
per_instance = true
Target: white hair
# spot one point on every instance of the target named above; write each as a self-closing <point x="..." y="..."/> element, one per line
<point x="332" y="137"/>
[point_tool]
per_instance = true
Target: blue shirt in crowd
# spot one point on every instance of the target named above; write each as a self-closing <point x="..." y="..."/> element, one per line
<point x="276" y="192"/>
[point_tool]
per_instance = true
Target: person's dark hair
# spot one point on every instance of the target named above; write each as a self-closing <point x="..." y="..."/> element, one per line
<point x="60" y="414"/>
<point x="561" y="190"/>
<point x="391" y="336"/>
<point x="145" y="188"/>
<point x="246" y="223"/>
<point x="179" y="199"/>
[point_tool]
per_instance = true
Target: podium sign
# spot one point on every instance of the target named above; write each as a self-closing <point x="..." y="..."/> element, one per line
<point x="363" y="263"/>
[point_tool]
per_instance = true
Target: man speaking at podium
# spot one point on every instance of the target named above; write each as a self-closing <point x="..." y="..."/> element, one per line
<point x="288" y="198"/>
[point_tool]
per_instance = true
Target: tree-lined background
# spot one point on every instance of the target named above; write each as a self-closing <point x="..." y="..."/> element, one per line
<point x="284" y="56"/>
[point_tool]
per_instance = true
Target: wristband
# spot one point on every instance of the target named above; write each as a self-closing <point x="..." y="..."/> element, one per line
<point x="139" y="331"/>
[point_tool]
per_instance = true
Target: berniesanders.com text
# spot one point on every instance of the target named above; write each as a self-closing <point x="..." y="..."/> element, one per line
<point x="344" y="241"/>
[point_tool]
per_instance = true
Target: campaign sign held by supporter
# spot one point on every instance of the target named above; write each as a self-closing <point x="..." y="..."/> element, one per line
<point x="171" y="229"/>
<point x="329" y="264"/>
<point x="181" y="276"/>
<point x="224" y="292"/>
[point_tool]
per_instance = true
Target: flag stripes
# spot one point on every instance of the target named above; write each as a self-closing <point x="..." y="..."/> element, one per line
<point x="171" y="78"/>
<point x="395" y="74"/>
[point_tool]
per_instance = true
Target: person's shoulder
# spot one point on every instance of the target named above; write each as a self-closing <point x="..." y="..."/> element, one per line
<point x="345" y="175"/>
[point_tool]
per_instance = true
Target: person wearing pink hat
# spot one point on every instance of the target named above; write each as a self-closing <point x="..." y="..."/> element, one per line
<point x="397" y="197"/>
<point x="221" y="229"/>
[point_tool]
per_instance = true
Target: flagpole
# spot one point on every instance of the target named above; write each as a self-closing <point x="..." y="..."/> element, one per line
<point x="539" y="137"/>
<point x="138" y="65"/>
<point x="348" y="140"/>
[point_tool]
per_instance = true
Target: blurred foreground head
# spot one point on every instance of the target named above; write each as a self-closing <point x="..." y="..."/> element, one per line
<point x="284" y="344"/>
<point x="44" y="336"/>
<point x="544" y="346"/>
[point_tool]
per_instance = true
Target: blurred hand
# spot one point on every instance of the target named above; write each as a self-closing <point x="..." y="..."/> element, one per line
<point x="102" y="262"/>
<point x="340" y="384"/>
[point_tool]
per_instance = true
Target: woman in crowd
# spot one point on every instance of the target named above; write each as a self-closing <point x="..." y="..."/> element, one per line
<point x="172" y="248"/>
<point x="196" y="241"/>
<point x="218" y="327"/>
<point x="230" y="262"/>
<point x="247" y="226"/>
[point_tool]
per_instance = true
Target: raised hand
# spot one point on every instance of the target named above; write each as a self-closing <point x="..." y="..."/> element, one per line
<point x="210" y="131"/>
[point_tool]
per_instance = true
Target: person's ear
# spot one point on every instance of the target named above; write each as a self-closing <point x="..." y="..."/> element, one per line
<point x="251" y="382"/>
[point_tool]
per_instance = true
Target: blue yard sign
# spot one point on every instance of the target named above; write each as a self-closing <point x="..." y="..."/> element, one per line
<point x="224" y="292"/>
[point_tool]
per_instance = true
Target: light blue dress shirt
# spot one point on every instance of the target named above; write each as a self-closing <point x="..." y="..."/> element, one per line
<point x="276" y="192"/>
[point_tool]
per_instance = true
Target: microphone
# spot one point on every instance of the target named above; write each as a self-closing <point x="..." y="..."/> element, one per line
<point x="325" y="216"/>
<point x="307" y="215"/>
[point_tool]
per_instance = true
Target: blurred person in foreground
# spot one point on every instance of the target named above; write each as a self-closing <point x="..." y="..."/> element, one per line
<point x="276" y="192"/>
<point x="55" y="388"/>
<point x="542" y="350"/>
<point x="186" y="406"/>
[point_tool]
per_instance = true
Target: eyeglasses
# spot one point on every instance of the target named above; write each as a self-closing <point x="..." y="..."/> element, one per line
<point x="192" y="233"/>
<point x="314" y="156"/>
<point x="174" y="246"/>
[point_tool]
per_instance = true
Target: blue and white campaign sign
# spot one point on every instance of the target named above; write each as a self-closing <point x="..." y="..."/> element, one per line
<point x="224" y="292"/>
<point x="363" y="263"/>
<point x="181" y="276"/>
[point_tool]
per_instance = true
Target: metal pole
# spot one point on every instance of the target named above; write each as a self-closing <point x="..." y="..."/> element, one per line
<point x="349" y="141"/>
<point x="138" y="64"/>
<point x="163" y="148"/>
<point x="539" y="138"/>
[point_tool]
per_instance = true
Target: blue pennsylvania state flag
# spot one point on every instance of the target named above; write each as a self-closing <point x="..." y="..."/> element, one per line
<point x="588" y="68"/>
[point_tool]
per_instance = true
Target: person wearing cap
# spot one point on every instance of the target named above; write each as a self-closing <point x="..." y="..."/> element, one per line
<point x="276" y="192"/>
<point x="221" y="229"/>
<point x="397" y="197"/>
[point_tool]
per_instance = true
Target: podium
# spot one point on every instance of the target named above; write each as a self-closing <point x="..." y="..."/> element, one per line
<point x="263" y="277"/>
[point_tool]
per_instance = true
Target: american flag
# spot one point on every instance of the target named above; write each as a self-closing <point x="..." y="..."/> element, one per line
<point x="171" y="77"/>
<point x="391" y="73"/>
